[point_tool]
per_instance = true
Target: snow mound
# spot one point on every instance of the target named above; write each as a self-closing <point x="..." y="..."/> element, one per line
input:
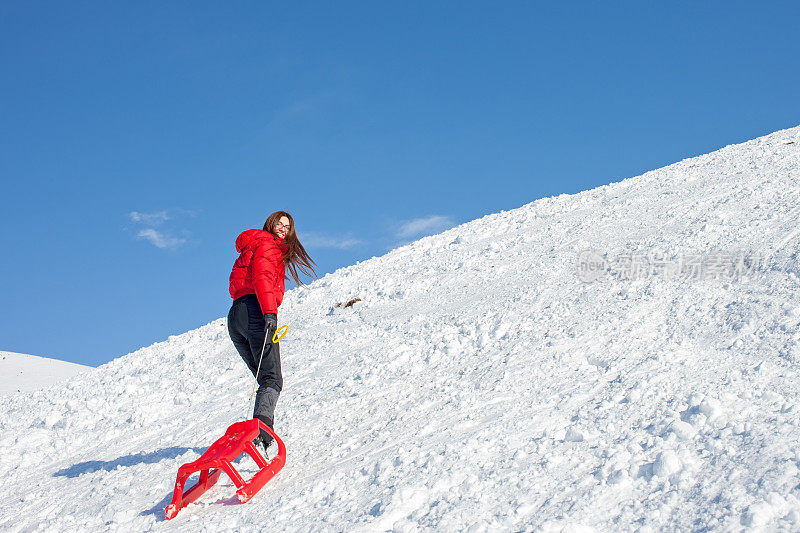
<point x="623" y="358"/>
<point x="27" y="373"/>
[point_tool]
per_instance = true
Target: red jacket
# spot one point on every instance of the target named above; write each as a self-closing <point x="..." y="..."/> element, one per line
<point x="259" y="269"/>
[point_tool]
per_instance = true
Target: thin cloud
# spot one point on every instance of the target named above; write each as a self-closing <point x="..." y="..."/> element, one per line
<point x="159" y="239"/>
<point x="328" y="241"/>
<point x="164" y="237"/>
<point x="149" y="219"/>
<point x="159" y="217"/>
<point x="424" y="226"/>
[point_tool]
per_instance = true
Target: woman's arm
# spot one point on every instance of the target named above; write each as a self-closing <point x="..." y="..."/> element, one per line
<point x="267" y="258"/>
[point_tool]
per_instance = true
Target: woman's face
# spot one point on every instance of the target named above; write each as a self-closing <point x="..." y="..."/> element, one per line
<point x="282" y="227"/>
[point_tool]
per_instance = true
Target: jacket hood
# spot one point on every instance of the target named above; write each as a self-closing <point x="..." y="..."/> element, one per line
<point x="249" y="236"/>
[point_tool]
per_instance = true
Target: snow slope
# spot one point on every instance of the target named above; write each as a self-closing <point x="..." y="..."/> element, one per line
<point x="26" y="373"/>
<point x="481" y="383"/>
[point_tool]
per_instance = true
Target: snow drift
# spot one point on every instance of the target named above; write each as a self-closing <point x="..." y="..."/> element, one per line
<point x="27" y="373"/>
<point x="622" y="358"/>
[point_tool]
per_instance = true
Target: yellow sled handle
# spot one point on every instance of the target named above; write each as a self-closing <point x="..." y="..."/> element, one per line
<point x="284" y="328"/>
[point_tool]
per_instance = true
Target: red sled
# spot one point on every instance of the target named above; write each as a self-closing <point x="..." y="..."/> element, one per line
<point x="238" y="439"/>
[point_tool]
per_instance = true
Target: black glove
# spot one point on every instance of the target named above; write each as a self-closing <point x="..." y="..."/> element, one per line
<point x="271" y="321"/>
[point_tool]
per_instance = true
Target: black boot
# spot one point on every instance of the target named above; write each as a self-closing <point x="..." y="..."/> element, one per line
<point x="264" y="438"/>
<point x="261" y="445"/>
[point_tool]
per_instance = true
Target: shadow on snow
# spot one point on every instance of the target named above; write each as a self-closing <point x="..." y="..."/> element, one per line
<point x="88" y="467"/>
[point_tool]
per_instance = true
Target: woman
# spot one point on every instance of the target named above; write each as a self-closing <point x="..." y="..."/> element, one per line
<point x="256" y="286"/>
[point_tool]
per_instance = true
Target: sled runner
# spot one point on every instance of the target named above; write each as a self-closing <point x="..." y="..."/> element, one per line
<point x="238" y="439"/>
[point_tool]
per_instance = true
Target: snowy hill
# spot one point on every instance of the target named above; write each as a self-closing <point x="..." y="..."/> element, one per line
<point x="625" y="358"/>
<point x="27" y="373"/>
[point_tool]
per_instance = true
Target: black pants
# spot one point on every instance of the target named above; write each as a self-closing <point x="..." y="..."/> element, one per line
<point x="246" y="328"/>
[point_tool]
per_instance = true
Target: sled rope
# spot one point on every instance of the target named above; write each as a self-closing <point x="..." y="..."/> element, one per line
<point x="285" y="329"/>
<point x="257" y="371"/>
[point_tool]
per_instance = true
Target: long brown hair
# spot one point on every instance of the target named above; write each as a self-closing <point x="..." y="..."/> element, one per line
<point x="295" y="255"/>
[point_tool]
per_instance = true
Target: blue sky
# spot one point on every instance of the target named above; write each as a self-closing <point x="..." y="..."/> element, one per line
<point x="137" y="139"/>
